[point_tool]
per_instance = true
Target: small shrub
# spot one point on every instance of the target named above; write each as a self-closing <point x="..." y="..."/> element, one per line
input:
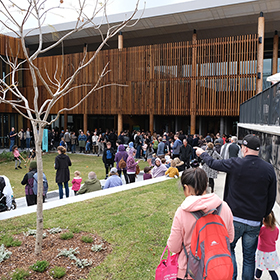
<point x="98" y="247"/>
<point x="40" y="266"/>
<point x="9" y="241"/>
<point x="54" y="230"/>
<point x="57" y="272"/>
<point x="33" y="233"/>
<point x="19" y="274"/>
<point x="68" y="253"/>
<point x="66" y="235"/>
<point x="71" y="255"/>
<point x="87" y="239"/>
<point x="76" y="230"/>
<point x="4" y="254"/>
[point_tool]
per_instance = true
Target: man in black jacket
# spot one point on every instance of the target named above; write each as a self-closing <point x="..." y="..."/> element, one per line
<point x="185" y="153"/>
<point x="250" y="192"/>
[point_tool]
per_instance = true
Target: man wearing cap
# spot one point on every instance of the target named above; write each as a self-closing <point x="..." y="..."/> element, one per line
<point x="114" y="180"/>
<point x="250" y="192"/>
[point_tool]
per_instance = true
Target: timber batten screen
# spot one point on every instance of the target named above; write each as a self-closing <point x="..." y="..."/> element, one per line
<point x="158" y="78"/>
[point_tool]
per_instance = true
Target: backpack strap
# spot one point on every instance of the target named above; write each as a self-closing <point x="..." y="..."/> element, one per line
<point x="198" y="214"/>
<point x="187" y="256"/>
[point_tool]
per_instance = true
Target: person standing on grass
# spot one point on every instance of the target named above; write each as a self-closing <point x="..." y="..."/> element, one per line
<point x="131" y="165"/>
<point x="12" y="135"/>
<point x="250" y="192"/>
<point x="62" y="163"/>
<point x="16" y="157"/>
<point x="108" y="158"/>
<point x="122" y="155"/>
<point x="28" y="181"/>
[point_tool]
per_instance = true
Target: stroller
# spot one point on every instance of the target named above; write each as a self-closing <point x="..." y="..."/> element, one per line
<point x="7" y="201"/>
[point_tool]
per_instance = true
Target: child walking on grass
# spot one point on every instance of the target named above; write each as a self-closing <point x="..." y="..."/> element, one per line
<point x="76" y="182"/>
<point x="16" y="157"/>
<point x="266" y="255"/>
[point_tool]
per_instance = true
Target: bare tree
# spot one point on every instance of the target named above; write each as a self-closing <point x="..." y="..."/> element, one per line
<point x="56" y="87"/>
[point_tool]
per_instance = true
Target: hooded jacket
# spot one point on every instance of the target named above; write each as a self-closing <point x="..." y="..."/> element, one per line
<point x="62" y="163"/>
<point x="160" y="170"/>
<point x="183" y="224"/>
<point x="90" y="185"/>
<point x="121" y="154"/>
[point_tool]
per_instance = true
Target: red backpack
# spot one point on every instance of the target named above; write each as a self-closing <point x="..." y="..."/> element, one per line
<point x="209" y="257"/>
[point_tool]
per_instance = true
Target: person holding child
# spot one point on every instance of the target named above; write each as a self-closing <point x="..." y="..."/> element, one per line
<point x="266" y="255"/>
<point x="172" y="171"/>
<point x="108" y="158"/>
<point x="62" y="163"/>
<point x="16" y="157"/>
<point x="76" y="182"/>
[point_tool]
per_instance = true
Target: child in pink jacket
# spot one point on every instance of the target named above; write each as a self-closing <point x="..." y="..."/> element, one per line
<point x="76" y="182"/>
<point x="194" y="182"/>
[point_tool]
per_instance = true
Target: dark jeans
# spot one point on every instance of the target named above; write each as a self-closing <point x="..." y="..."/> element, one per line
<point x="124" y="174"/>
<point x="211" y="184"/>
<point x="60" y="188"/>
<point x="108" y="166"/>
<point x="28" y="143"/>
<point x="131" y="178"/>
<point x="73" y="148"/>
<point x="249" y="235"/>
<point x="12" y="143"/>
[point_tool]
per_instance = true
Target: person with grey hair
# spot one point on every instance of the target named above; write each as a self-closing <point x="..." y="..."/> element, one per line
<point x="233" y="148"/>
<point x="91" y="184"/>
<point x="114" y="180"/>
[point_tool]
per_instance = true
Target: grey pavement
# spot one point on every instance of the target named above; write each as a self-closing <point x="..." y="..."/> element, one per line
<point x="53" y="201"/>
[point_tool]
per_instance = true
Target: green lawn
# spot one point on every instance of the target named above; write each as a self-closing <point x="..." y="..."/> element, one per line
<point x="83" y="163"/>
<point x="136" y="222"/>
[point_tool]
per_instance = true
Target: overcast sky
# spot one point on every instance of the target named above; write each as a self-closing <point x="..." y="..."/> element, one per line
<point x="68" y="14"/>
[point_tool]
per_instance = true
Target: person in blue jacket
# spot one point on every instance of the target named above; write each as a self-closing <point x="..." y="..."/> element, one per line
<point x="114" y="180"/>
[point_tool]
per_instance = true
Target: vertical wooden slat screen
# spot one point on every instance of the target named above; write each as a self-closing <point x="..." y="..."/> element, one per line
<point x="157" y="78"/>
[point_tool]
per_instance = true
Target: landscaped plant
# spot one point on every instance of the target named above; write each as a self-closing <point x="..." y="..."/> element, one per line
<point x="19" y="274"/>
<point x="87" y="239"/>
<point x="66" y="235"/>
<point x="57" y="272"/>
<point x="33" y="233"/>
<point x="9" y="241"/>
<point x="76" y="230"/>
<point x="71" y="255"/>
<point x="68" y="253"/>
<point x="98" y="247"/>
<point x="4" y="254"/>
<point x="40" y="266"/>
<point x="54" y="230"/>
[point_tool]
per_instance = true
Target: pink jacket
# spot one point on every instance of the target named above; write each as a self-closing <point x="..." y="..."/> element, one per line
<point x="267" y="239"/>
<point x="16" y="153"/>
<point x="76" y="183"/>
<point x="181" y="230"/>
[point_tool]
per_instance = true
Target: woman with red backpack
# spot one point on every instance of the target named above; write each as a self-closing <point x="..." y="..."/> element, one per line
<point x="194" y="183"/>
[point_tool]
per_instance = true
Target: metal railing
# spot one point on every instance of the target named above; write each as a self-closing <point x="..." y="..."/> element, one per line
<point x="263" y="108"/>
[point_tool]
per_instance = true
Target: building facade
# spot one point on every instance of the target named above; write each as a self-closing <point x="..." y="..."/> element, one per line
<point x="187" y="68"/>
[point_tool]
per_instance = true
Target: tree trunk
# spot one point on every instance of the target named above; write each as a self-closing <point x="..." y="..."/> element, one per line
<point x="38" y="136"/>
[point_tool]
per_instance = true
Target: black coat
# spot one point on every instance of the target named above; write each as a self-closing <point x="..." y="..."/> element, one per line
<point x="185" y="152"/>
<point x="62" y="162"/>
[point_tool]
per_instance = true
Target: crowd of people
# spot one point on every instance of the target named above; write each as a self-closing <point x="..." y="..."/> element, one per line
<point x="249" y="193"/>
